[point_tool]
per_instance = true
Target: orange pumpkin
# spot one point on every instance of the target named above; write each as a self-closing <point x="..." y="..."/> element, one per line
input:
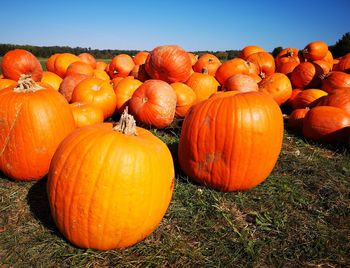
<point x="278" y="86"/>
<point x="121" y="65"/>
<point x="249" y="50"/>
<point x="286" y="55"/>
<point x="139" y="72"/>
<point x="231" y="67"/>
<point x="4" y="83"/>
<point x="98" y="92"/>
<point x="100" y="65"/>
<point x="326" y="124"/>
<point x="307" y="97"/>
<point x="105" y="187"/>
<point x="34" y="119"/>
<point x="140" y="57"/>
<point x="335" y="80"/>
<point x="169" y="63"/>
<point x="193" y="58"/>
<point x="153" y="103"/>
<point x="50" y="63"/>
<point x="240" y="82"/>
<point x="203" y="85"/>
<point x="51" y="79"/>
<point x="185" y="98"/>
<point x="19" y="61"/>
<point x="306" y="75"/>
<point x="287" y="67"/>
<point x="88" y="58"/>
<point x="344" y="64"/>
<point x="124" y="90"/>
<point x="296" y="119"/>
<point x="80" y="67"/>
<point x="224" y="138"/>
<point x="69" y="83"/>
<point x="339" y="98"/>
<point x="207" y="61"/>
<point x="101" y="74"/>
<point x="316" y="50"/>
<point x="86" y="114"/>
<point x="265" y="63"/>
<point x="63" y="61"/>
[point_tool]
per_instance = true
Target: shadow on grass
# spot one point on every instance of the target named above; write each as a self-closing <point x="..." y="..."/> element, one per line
<point x="38" y="202"/>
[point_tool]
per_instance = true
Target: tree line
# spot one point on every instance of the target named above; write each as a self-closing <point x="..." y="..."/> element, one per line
<point x="340" y="48"/>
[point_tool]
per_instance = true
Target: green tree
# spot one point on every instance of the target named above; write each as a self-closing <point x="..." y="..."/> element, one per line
<point x="341" y="47"/>
<point x="276" y="50"/>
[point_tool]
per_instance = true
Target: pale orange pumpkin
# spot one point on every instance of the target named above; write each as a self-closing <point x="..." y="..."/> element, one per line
<point x="124" y="91"/>
<point x="86" y="114"/>
<point x="185" y="98"/>
<point x="51" y="79"/>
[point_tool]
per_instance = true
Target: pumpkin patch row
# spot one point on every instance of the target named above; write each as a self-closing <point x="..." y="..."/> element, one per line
<point x="110" y="184"/>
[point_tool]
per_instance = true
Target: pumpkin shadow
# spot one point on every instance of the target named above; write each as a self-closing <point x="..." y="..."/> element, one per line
<point x="38" y="202"/>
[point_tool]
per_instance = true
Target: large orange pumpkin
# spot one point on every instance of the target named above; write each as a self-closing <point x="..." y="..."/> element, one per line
<point x="306" y="75"/>
<point x="316" y="50"/>
<point x="34" y="119"/>
<point x="153" y="103"/>
<point x="249" y="50"/>
<point x="278" y="86"/>
<point x="232" y="140"/>
<point x="203" y="85"/>
<point x="335" y="80"/>
<point x="109" y="187"/>
<point x="124" y="90"/>
<point x="169" y="63"/>
<point x="231" y="67"/>
<point x="19" y="61"/>
<point x="98" y="92"/>
<point x="306" y="97"/>
<point x="264" y="61"/>
<point x="80" y="67"/>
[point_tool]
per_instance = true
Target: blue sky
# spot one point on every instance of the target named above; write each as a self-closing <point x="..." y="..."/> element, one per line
<point x="194" y="25"/>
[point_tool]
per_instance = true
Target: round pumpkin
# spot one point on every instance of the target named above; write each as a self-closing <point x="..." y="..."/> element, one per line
<point x="80" y="67"/>
<point x="105" y="187"/>
<point x="34" y="119"/>
<point x="287" y="67"/>
<point x="249" y="50"/>
<point x="326" y="124"/>
<point x="88" y="58"/>
<point x="278" y="86"/>
<point x="4" y="83"/>
<point x="63" y="61"/>
<point x="289" y="54"/>
<point x="296" y="119"/>
<point x="19" y="61"/>
<point x="169" y="63"/>
<point x="51" y="79"/>
<point x="121" y="65"/>
<point x="153" y="103"/>
<point x="316" y="50"/>
<point x="50" y="63"/>
<point x="344" y="64"/>
<point x="98" y="92"/>
<point x="124" y="90"/>
<point x="185" y="98"/>
<point x="306" y="97"/>
<point x="306" y="75"/>
<point x="69" y="83"/>
<point x="339" y="98"/>
<point x="140" y="57"/>
<point x="264" y="61"/>
<point x="207" y="61"/>
<point x="231" y="67"/>
<point x="335" y="80"/>
<point x="240" y="82"/>
<point x="86" y="114"/>
<point x="203" y="85"/>
<point x="232" y="140"/>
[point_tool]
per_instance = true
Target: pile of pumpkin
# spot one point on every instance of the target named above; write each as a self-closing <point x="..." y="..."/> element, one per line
<point x="110" y="184"/>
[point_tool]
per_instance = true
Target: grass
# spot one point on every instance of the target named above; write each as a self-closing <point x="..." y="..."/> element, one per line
<point x="298" y="217"/>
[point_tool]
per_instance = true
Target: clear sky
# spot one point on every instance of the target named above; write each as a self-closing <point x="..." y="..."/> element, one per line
<point x="194" y="25"/>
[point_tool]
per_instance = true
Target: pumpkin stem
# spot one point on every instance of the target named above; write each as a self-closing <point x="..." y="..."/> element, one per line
<point x="126" y="124"/>
<point x="205" y="70"/>
<point x="26" y="84"/>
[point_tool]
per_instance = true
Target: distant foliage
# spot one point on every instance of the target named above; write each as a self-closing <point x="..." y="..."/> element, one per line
<point x="276" y="50"/>
<point x="341" y="47"/>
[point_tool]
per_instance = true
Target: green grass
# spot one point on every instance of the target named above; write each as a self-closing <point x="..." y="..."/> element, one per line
<point x="298" y="217"/>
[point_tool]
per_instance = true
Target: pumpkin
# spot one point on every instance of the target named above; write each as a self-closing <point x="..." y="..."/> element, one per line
<point x="80" y="67"/>
<point x="4" y="83"/>
<point x="69" y="83"/>
<point x="124" y="90"/>
<point x="335" y="80"/>
<point x="86" y="114"/>
<point x="207" y="61"/>
<point x="295" y="92"/>
<point x="50" y="63"/>
<point x="185" y="98"/>
<point x="63" y="61"/>
<point x="249" y="50"/>
<point x="88" y="58"/>
<point x="140" y="57"/>
<point x="278" y="86"/>
<point x="121" y="65"/>
<point x="153" y="103"/>
<point x="51" y="79"/>
<point x="34" y="119"/>
<point x="169" y="63"/>
<point x="193" y="58"/>
<point x="241" y="82"/>
<point x="203" y="85"/>
<point x="306" y="75"/>
<point x="101" y="74"/>
<point x="100" y="65"/>
<point x="287" y="67"/>
<point x="325" y="66"/>
<point x="306" y="97"/>
<point x="316" y="50"/>
<point x="19" y="61"/>
<point x="139" y="72"/>
<point x="344" y="64"/>
<point x="289" y="54"/>
<point x="231" y="67"/>
<point x="329" y="59"/>
<point x="105" y="187"/>
<point x="232" y="140"/>
<point x="265" y="63"/>
<point x="326" y="124"/>
<point x="98" y="92"/>
<point x="296" y="119"/>
<point x="339" y="98"/>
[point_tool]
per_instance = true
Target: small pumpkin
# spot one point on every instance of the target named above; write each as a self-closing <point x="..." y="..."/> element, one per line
<point x="19" y="62"/>
<point x="153" y="103"/>
<point x="63" y="61"/>
<point x="231" y="67"/>
<point x="88" y="58"/>
<point x="265" y="63"/>
<point x="105" y="187"/>
<point x="121" y="65"/>
<point x="140" y="57"/>
<point x="278" y="86"/>
<point x="207" y="61"/>
<point x="203" y="85"/>
<point x="51" y="79"/>
<point x="240" y="82"/>
<point x="80" y="67"/>
<point x="69" y="83"/>
<point x="335" y="80"/>
<point x="316" y="50"/>
<point x="124" y="90"/>
<point x="86" y="114"/>
<point x="249" y="50"/>
<point x="306" y="75"/>
<point x="50" y="63"/>
<point x="185" y="98"/>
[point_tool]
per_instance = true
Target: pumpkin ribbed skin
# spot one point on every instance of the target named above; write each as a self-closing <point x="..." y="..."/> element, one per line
<point x="278" y="86"/>
<point x="32" y="124"/>
<point x="232" y="140"/>
<point x="106" y="189"/>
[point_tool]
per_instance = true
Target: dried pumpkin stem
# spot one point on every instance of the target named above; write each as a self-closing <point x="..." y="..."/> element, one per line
<point x="126" y="124"/>
<point x="26" y="84"/>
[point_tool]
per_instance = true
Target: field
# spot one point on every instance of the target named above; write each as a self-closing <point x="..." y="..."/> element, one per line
<point x="298" y="217"/>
